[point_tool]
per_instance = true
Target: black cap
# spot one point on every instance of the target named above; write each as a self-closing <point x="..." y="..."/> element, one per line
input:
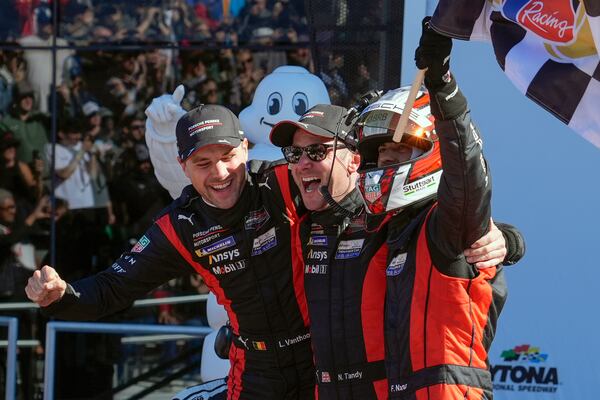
<point x="205" y="125"/>
<point x="321" y="120"/>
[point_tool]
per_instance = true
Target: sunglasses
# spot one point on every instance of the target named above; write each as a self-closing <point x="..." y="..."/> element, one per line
<point x="315" y="152"/>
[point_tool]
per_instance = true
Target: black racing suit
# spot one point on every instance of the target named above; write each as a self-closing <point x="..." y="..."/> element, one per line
<point x="244" y="255"/>
<point x="441" y="311"/>
<point x="344" y="281"/>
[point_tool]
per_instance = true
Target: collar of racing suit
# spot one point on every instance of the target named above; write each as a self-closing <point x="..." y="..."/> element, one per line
<point x="331" y="217"/>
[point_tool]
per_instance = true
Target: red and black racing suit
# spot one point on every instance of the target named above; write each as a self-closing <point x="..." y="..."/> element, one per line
<point x="441" y="311"/>
<point x="344" y="281"/>
<point x="244" y="255"/>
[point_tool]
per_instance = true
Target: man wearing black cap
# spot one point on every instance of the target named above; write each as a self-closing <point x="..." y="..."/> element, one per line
<point x="345" y="256"/>
<point x="234" y="228"/>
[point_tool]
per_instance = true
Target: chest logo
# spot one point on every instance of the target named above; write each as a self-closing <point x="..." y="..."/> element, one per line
<point x="318" y="240"/>
<point x="264" y="242"/>
<point x="349" y="249"/>
<point x="141" y="245"/>
<point x="396" y="266"/>
<point x="188" y="219"/>
<point x="256" y="219"/>
<point x="220" y="245"/>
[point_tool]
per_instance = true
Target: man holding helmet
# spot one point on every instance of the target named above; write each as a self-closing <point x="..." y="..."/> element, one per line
<point x="441" y="311"/>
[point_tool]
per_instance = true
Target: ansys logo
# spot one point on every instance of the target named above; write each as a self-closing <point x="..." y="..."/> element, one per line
<point x="524" y="370"/>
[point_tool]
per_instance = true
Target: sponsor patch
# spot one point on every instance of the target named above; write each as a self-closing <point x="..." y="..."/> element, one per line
<point x="315" y="269"/>
<point x="203" y="126"/>
<point x="264" y="242"/>
<point x="396" y="266"/>
<point x="220" y="245"/>
<point x="325" y="378"/>
<point x="319" y="255"/>
<point x="256" y="219"/>
<point x="229" y="267"/>
<point x="372" y="186"/>
<point x="318" y="240"/>
<point x="349" y="249"/>
<point x="141" y="245"/>
<point x="118" y="269"/>
<point x="227" y="255"/>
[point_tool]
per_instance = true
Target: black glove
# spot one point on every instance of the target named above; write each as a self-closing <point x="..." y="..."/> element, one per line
<point x="433" y="53"/>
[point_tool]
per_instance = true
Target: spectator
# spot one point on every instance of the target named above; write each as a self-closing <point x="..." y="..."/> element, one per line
<point x="138" y="195"/>
<point x="266" y="59"/>
<point x="126" y="85"/>
<point x="333" y="78"/>
<point x="29" y="127"/>
<point x="16" y="176"/>
<point x="74" y="166"/>
<point x="247" y="79"/>
<point x="194" y="73"/>
<point x="38" y="61"/>
<point x="209" y="93"/>
<point x="133" y="133"/>
<point x="79" y="22"/>
<point x="17" y="259"/>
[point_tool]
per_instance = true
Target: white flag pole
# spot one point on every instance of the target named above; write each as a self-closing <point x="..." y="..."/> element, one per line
<point x="414" y="88"/>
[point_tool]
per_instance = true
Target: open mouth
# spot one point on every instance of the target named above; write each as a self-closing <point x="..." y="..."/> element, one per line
<point x="262" y="121"/>
<point x="221" y="187"/>
<point x="311" y="184"/>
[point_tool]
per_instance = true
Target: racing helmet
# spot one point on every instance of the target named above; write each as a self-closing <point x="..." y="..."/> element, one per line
<point x="399" y="185"/>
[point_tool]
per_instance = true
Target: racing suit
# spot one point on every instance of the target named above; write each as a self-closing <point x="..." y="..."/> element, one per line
<point x="244" y="254"/>
<point x="344" y="282"/>
<point x="441" y="312"/>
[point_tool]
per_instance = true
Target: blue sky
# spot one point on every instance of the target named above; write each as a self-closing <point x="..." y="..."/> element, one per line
<point x="545" y="180"/>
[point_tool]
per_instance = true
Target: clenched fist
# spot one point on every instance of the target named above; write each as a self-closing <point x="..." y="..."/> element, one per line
<point x="45" y="287"/>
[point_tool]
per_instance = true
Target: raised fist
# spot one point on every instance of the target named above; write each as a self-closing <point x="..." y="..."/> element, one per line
<point x="45" y="287"/>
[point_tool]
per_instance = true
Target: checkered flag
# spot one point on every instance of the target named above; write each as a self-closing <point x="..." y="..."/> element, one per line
<point x="548" y="49"/>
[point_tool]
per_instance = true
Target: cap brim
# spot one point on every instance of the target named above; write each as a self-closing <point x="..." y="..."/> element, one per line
<point x="229" y="141"/>
<point x="282" y="133"/>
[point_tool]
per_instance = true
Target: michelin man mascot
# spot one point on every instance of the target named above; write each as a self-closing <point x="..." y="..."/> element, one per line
<point x="285" y="94"/>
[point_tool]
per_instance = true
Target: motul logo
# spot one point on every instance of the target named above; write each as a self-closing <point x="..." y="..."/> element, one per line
<point x="553" y="20"/>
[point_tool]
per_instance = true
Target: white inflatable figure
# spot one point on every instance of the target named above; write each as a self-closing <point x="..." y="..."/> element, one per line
<point x="284" y="94"/>
<point x="163" y="114"/>
<point x="211" y="366"/>
<point x="215" y="313"/>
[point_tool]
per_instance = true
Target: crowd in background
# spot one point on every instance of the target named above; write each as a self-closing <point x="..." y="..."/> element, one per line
<point x="105" y="191"/>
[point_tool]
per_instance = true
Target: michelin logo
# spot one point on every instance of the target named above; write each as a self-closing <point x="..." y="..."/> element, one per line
<point x="220" y="245"/>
